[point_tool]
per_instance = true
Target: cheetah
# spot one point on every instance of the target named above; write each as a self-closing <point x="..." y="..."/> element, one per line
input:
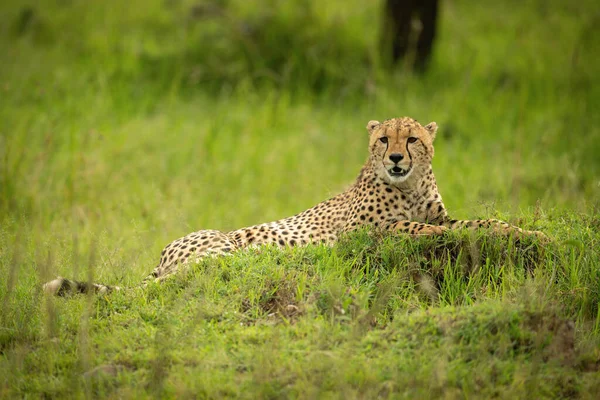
<point x="395" y="190"/>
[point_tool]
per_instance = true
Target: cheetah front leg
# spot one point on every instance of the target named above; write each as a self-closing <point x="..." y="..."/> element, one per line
<point x="437" y="215"/>
<point x="416" y="228"/>
<point x="494" y="225"/>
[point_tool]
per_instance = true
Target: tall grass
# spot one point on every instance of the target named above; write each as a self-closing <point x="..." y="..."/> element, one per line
<point x="126" y="125"/>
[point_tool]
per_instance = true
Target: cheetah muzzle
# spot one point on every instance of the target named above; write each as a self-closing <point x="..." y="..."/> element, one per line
<point x="395" y="190"/>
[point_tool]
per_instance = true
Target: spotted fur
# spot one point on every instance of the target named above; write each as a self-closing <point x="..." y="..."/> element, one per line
<point x="395" y="190"/>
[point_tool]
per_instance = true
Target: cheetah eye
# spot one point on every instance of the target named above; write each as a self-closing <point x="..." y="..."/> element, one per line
<point x="412" y="139"/>
<point x="383" y="139"/>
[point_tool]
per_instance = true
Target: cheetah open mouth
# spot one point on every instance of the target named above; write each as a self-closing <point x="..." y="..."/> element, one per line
<point x="398" y="172"/>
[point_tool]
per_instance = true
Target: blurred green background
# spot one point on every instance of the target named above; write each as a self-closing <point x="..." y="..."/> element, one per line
<point x="163" y="109"/>
<point x="127" y="124"/>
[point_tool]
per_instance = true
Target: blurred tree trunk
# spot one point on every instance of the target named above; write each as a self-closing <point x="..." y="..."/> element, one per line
<point x="408" y="31"/>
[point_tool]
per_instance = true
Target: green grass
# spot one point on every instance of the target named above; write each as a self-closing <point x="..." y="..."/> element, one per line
<point x="125" y="127"/>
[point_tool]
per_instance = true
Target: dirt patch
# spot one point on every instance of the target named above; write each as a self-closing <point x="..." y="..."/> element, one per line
<point x="277" y="299"/>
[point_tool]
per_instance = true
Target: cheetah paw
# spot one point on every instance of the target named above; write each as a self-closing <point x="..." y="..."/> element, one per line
<point x="431" y="230"/>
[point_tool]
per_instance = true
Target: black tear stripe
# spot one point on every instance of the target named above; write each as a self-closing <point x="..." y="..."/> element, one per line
<point x="387" y="145"/>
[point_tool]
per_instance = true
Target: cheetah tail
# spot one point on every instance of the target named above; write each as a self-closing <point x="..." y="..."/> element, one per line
<point x="62" y="286"/>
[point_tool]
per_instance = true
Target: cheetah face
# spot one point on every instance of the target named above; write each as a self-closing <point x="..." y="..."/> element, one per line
<point x="400" y="148"/>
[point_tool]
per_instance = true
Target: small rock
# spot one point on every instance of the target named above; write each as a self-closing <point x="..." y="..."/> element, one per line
<point x="291" y="308"/>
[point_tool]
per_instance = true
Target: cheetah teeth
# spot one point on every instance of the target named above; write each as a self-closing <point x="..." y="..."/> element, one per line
<point x="397" y="171"/>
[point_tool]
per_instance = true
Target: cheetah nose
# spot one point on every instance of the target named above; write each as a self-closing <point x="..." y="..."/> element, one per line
<point x="396" y="157"/>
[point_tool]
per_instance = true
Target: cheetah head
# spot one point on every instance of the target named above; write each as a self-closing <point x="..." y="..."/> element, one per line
<point x="401" y="149"/>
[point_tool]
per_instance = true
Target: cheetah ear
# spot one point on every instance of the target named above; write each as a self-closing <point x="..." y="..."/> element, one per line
<point x="432" y="129"/>
<point x="371" y="125"/>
